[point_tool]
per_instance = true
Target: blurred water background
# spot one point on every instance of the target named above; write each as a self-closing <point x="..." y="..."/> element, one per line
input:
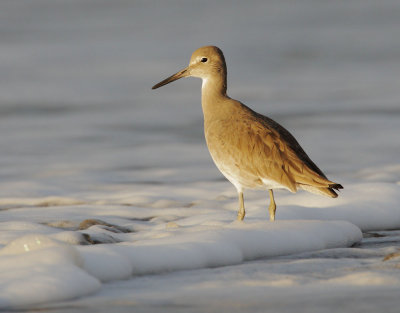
<point x="77" y="111"/>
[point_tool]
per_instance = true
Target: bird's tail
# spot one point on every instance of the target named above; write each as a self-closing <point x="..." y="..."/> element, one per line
<point x="325" y="191"/>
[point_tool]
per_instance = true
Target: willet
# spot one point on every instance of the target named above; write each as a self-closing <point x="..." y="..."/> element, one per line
<point x="251" y="150"/>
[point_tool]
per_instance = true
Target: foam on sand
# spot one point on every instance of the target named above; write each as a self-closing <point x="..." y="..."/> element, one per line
<point x="38" y="269"/>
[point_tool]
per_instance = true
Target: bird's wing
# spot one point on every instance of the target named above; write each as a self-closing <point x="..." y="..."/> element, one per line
<point x="268" y="156"/>
<point x="279" y="156"/>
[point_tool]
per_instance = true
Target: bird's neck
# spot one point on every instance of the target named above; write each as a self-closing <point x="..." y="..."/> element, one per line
<point x="213" y="96"/>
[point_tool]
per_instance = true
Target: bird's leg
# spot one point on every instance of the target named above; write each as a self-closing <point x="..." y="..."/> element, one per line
<point x="272" y="206"/>
<point x="241" y="212"/>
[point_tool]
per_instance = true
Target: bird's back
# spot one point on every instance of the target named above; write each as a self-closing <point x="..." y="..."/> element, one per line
<point x="253" y="151"/>
<point x="287" y="137"/>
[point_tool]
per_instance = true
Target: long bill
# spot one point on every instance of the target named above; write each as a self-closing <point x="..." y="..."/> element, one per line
<point x="172" y="78"/>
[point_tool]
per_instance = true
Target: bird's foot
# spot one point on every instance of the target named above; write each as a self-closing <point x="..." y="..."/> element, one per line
<point x="240" y="215"/>
<point x="272" y="209"/>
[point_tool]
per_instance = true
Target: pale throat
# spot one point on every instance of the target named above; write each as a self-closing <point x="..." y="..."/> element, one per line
<point x="213" y="87"/>
<point x="204" y="84"/>
<point x="210" y="93"/>
<point x="213" y="98"/>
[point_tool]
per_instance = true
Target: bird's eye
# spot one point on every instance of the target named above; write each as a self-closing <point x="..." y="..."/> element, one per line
<point x="204" y="60"/>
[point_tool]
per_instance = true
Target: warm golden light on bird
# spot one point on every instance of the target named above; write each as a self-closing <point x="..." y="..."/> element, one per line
<point x="251" y="150"/>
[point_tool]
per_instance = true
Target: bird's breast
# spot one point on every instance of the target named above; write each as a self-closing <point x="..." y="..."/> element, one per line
<point x="226" y="141"/>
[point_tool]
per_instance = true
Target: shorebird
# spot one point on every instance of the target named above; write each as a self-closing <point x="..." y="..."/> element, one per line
<point x="251" y="150"/>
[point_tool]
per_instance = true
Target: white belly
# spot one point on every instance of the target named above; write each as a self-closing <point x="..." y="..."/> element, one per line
<point x="243" y="180"/>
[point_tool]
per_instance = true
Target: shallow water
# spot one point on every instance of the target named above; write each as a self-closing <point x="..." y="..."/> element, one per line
<point x="76" y="104"/>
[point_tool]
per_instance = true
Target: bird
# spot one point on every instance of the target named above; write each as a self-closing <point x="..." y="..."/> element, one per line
<point x="251" y="150"/>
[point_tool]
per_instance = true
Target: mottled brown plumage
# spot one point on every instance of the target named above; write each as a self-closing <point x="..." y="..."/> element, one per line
<point x="251" y="150"/>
